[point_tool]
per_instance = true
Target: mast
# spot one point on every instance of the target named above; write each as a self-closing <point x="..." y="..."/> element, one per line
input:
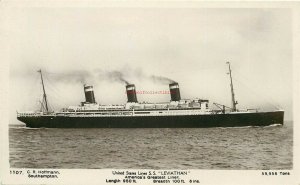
<point x="44" y="92"/>
<point x="234" y="103"/>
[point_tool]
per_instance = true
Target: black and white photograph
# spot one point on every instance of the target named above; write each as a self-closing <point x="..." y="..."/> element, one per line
<point x="150" y="88"/>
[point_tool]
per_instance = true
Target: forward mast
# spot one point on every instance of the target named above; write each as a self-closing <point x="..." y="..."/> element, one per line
<point x="234" y="103"/>
<point x="44" y="102"/>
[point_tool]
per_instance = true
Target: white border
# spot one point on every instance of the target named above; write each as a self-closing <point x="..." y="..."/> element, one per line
<point x="82" y="176"/>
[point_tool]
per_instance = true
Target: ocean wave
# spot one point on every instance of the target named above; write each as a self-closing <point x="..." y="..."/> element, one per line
<point x="274" y="125"/>
<point x="243" y="127"/>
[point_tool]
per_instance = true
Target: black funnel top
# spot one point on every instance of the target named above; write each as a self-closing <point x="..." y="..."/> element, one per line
<point x="89" y="94"/>
<point x="174" y="91"/>
<point x="131" y="93"/>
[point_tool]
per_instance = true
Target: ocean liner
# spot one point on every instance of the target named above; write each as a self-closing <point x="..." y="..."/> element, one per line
<point x="178" y="113"/>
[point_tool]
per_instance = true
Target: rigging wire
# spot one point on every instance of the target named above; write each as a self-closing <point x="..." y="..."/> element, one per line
<point x="56" y="91"/>
<point x="255" y="94"/>
<point x="259" y="86"/>
<point x="52" y="87"/>
<point x="33" y="90"/>
<point x="45" y="106"/>
<point x="53" y="92"/>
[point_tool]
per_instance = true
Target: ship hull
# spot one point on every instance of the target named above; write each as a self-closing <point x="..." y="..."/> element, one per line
<point x="176" y="121"/>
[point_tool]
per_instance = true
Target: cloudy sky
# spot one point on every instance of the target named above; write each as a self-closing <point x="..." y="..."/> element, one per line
<point x="188" y="45"/>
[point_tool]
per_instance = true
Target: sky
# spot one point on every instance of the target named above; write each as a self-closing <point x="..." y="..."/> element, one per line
<point x="188" y="45"/>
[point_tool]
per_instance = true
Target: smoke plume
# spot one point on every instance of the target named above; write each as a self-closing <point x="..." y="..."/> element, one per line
<point x="77" y="76"/>
<point x="83" y="77"/>
<point x="117" y="76"/>
<point x="161" y="79"/>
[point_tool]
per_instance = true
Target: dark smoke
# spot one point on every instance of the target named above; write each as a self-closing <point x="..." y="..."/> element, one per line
<point x="161" y="79"/>
<point x="72" y="76"/>
<point x="111" y="76"/>
<point x="83" y="77"/>
<point x="138" y="73"/>
<point x="117" y="76"/>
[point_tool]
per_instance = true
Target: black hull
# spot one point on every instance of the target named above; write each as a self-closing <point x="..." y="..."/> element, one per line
<point x="182" y="121"/>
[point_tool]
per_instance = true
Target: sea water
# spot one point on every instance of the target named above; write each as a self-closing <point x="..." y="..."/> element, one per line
<point x="244" y="148"/>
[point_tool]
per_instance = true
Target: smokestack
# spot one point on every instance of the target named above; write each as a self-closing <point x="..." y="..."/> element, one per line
<point x="131" y="93"/>
<point x="174" y="91"/>
<point x="89" y="94"/>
